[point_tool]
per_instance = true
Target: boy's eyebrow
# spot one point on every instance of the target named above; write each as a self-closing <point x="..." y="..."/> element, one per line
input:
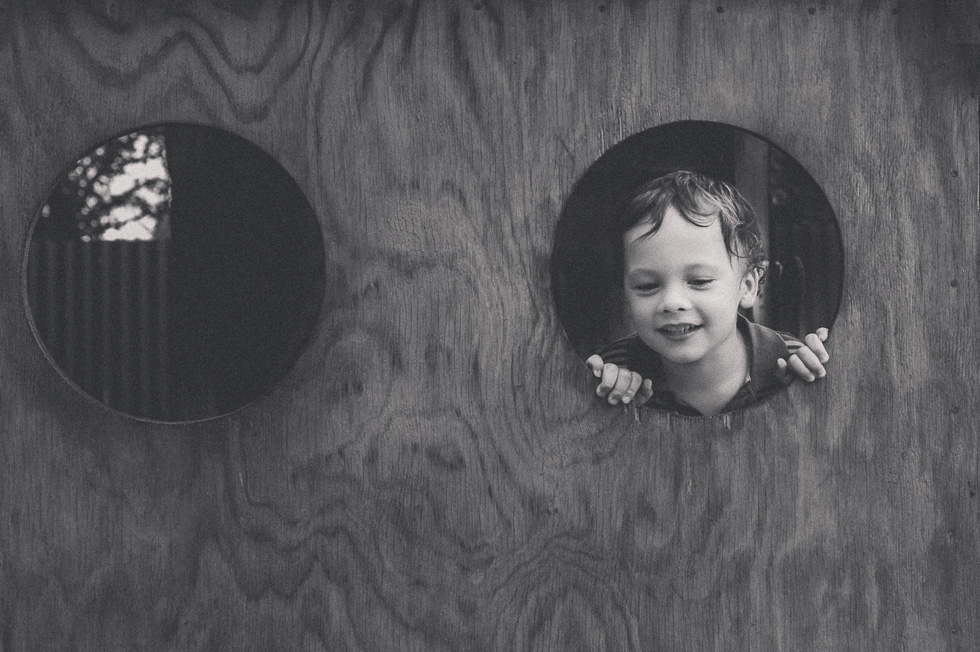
<point x="641" y="271"/>
<point x="696" y="267"/>
<point x="696" y="264"/>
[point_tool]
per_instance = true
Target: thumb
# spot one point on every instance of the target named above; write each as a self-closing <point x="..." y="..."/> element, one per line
<point x="645" y="393"/>
<point x="783" y="371"/>
<point x="595" y="363"/>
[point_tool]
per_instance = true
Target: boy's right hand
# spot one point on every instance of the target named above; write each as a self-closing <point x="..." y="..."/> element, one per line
<point x="619" y="384"/>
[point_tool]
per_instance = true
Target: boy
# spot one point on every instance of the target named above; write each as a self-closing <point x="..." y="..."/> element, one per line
<point x="692" y="256"/>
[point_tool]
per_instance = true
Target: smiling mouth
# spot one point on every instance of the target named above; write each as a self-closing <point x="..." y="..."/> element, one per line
<point x="677" y="330"/>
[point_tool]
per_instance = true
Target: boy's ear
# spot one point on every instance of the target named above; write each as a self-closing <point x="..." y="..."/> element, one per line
<point x="750" y="286"/>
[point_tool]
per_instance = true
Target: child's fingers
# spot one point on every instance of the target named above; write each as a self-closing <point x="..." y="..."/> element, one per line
<point x="618" y="384"/>
<point x="635" y="382"/>
<point x="801" y="370"/>
<point x="816" y="345"/>
<point x="623" y="382"/>
<point x="823" y="334"/>
<point x="610" y="374"/>
<point x="594" y="363"/>
<point x="811" y="361"/>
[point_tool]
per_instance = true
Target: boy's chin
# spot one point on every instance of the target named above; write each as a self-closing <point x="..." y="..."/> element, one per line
<point x="676" y="354"/>
<point x="677" y="359"/>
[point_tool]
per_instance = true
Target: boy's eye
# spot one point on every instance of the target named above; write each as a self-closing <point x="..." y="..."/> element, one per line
<point x="700" y="282"/>
<point x="645" y="287"/>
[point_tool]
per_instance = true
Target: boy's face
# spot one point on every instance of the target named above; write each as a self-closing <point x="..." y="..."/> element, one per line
<point x="683" y="289"/>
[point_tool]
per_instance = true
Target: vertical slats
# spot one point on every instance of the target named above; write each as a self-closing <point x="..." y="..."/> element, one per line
<point x="163" y="361"/>
<point x="88" y="305"/>
<point x="67" y="326"/>
<point x="143" y="334"/>
<point x="106" y="309"/>
<point x="124" y="321"/>
<point x="100" y="310"/>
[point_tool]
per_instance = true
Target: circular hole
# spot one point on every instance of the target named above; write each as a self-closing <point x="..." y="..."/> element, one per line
<point x="803" y="282"/>
<point x="175" y="273"/>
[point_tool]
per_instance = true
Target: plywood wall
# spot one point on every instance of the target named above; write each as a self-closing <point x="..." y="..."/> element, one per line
<point x="435" y="473"/>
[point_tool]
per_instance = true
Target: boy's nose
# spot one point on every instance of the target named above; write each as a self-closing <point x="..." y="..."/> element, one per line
<point x="674" y="298"/>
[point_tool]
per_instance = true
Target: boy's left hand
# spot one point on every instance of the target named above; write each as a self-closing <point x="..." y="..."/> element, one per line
<point x="808" y="362"/>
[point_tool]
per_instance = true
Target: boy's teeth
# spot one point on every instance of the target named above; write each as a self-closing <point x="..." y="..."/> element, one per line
<point x="677" y="330"/>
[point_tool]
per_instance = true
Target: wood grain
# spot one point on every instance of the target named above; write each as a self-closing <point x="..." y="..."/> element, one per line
<point x="435" y="473"/>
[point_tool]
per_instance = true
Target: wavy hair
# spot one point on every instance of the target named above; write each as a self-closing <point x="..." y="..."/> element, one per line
<point x="700" y="200"/>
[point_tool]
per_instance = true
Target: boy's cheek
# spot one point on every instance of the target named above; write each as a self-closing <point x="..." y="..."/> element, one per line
<point x="637" y="303"/>
<point x="641" y="311"/>
<point x="635" y="316"/>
